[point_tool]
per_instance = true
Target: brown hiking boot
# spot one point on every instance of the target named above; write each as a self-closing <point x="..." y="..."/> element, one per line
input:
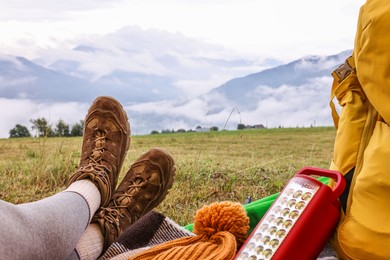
<point x="145" y="185"/>
<point x="106" y="139"/>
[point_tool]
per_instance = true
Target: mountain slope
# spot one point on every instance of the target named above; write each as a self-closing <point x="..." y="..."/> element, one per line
<point x="21" y="78"/>
<point x="246" y="91"/>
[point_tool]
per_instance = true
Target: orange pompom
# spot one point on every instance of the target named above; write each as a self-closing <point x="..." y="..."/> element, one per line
<point x="222" y="216"/>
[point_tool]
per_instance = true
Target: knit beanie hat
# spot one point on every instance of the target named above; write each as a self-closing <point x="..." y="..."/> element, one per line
<point x="221" y="228"/>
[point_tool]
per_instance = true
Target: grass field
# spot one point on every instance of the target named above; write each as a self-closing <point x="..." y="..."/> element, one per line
<point x="211" y="167"/>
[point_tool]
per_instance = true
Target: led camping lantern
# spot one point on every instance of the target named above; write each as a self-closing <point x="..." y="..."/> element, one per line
<point x="299" y="222"/>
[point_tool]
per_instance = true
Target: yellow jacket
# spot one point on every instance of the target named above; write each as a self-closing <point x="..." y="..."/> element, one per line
<point x="362" y="144"/>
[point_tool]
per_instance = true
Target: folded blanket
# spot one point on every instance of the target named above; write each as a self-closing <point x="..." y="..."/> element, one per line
<point x="150" y="230"/>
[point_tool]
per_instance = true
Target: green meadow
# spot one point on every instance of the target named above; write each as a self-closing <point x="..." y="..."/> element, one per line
<point x="211" y="167"/>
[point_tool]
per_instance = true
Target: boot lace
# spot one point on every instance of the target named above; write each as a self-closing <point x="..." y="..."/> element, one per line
<point x="115" y="213"/>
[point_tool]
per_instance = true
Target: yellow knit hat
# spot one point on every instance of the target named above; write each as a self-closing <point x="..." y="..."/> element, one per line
<point x="220" y="229"/>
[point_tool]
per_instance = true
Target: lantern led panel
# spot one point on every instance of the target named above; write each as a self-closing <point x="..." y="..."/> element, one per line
<point x="285" y="220"/>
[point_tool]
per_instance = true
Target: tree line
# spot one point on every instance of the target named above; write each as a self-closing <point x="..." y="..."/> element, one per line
<point x="42" y="128"/>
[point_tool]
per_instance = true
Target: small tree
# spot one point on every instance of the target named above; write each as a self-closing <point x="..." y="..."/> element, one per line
<point x="41" y="126"/>
<point x="62" y="128"/>
<point x="154" y="132"/>
<point x="214" y="128"/>
<point x="240" y="126"/>
<point x="77" y="129"/>
<point x="19" y="131"/>
<point x="166" y="131"/>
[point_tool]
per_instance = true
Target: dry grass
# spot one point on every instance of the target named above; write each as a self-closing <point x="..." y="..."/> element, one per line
<point x="213" y="166"/>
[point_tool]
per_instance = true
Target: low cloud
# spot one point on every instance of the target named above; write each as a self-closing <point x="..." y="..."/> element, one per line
<point x="21" y="111"/>
<point x="291" y="106"/>
<point x="285" y="106"/>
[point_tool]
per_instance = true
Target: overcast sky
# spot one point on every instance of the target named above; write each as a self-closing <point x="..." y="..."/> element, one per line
<point x="283" y="29"/>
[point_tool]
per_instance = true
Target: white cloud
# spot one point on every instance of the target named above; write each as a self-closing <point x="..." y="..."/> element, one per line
<point x="255" y="28"/>
<point x="194" y="108"/>
<point x="291" y="106"/>
<point x="20" y="111"/>
<point x="286" y="106"/>
<point x="194" y="66"/>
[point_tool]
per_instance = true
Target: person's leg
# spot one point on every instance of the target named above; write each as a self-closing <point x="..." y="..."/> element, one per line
<point x="50" y="228"/>
<point x="144" y="186"/>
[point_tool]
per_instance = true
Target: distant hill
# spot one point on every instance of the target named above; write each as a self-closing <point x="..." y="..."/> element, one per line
<point x="245" y="91"/>
<point x="21" y="78"/>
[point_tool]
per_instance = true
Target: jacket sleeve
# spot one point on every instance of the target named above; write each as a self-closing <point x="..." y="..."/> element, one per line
<point x="372" y="54"/>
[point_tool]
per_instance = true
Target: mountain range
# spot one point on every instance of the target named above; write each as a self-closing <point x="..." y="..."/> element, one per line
<point x="246" y="91"/>
<point x="23" y="78"/>
<point x="291" y="94"/>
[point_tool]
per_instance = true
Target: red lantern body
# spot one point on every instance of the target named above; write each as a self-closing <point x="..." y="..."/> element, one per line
<point x="300" y="221"/>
